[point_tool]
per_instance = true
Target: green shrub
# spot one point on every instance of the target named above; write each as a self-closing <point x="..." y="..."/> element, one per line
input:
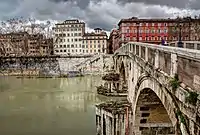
<point x="192" y="98"/>
<point x="174" y="82"/>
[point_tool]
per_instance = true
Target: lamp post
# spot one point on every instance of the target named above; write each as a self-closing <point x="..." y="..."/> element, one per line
<point x="138" y="24"/>
<point x="180" y="43"/>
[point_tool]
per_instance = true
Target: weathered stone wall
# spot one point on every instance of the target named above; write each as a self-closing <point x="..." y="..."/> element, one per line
<point x="189" y="72"/>
<point x="96" y="65"/>
<point x="55" y="66"/>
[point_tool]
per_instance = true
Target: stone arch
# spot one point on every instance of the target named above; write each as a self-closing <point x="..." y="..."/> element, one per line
<point x="150" y="87"/>
<point x="122" y="71"/>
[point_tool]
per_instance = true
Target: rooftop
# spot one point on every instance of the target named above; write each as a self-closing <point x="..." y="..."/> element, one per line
<point x="167" y="20"/>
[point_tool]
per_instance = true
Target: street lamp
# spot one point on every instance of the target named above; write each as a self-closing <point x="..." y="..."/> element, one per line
<point x="138" y="24"/>
<point x="180" y="43"/>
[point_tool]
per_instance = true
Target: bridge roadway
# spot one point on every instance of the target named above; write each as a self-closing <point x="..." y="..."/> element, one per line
<point x="163" y="88"/>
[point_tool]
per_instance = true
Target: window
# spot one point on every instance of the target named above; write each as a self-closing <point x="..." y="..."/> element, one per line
<point x="61" y="51"/>
<point x="72" y="40"/>
<point x="99" y="46"/>
<point x="64" y="50"/>
<point x="68" y="46"/>
<point x="72" y="46"/>
<point x="94" y="46"/>
<point x="83" y="46"/>
<point x="60" y="46"/>
<point x="90" y="46"/>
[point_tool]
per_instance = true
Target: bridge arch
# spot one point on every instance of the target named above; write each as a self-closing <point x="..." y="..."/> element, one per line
<point x="148" y="94"/>
<point x="122" y="71"/>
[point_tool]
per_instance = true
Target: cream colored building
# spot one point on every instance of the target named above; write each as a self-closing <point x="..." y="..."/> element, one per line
<point x="95" y="42"/>
<point x="68" y="37"/>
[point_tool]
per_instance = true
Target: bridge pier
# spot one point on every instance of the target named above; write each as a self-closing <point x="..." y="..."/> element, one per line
<point x="115" y="118"/>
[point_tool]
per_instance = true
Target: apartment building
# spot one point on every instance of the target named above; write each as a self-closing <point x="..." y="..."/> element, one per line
<point x="94" y="42"/>
<point x="23" y="44"/>
<point x="68" y="37"/>
<point x="14" y="43"/>
<point x="113" y="41"/>
<point x="154" y="30"/>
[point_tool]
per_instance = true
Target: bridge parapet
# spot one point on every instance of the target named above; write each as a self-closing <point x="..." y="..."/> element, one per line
<point x="170" y="60"/>
<point x="173" y="74"/>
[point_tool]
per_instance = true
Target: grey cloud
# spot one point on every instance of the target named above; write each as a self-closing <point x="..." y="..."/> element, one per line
<point x="192" y="4"/>
<point x="96" y="13"/>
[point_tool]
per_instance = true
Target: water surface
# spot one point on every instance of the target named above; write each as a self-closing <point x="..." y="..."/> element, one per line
<point x="48" y="106"/>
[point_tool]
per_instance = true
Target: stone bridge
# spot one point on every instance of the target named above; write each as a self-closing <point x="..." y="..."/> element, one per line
<point x="163" y="88"/>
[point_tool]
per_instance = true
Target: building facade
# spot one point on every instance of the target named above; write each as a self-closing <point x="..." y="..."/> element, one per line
<point x="68" y="37"/>
<point x="156" y="30"/>
<point x="95" y="42"/>
<point x="113" y="41"/>
<point x="23" y="44"/>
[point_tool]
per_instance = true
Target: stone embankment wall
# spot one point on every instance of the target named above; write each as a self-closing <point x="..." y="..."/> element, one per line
<point x="98" y="64"/>
<point x="54" y="66"/>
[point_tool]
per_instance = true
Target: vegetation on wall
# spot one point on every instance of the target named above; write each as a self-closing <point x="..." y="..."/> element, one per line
<point x="182" y="119"/>
<point x="192" y="98"/>
<point x="174" y="82"/>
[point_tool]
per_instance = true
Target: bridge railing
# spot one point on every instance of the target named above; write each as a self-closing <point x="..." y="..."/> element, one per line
<point x="171" y="60"/>
<point x="187" y="44"/>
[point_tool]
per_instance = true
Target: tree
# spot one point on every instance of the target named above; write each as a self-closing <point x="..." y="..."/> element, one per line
<point x="17" y="31"/>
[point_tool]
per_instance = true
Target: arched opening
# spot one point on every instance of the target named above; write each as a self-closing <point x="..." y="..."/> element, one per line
<point x="123" y="80"/>
<point x="151" y="117"/>
<point x="122" y="72"/>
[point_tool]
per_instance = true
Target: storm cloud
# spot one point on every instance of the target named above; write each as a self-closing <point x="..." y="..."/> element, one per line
<point x="96" y="13"/>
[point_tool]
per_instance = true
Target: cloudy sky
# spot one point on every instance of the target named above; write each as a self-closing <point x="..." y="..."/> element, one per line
<point x="96" y="13"/>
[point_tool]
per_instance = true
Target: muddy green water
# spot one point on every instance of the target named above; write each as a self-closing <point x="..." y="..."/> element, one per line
<point x="48" y="106"/>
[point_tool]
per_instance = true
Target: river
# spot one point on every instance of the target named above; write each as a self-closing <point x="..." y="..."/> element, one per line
<point x="61" y="106"/>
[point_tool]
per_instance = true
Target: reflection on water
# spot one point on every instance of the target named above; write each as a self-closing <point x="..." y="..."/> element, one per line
<point x="48" y="106"/>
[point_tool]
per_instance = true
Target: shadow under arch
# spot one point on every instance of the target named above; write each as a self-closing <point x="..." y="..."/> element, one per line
<point x="147" y="90"/>
<point x="151" y="117"/>
<point x="122" y="72"/>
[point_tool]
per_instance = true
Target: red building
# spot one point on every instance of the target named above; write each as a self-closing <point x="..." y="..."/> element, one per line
<point x="113" y="41"/>
<point x="144" y="30"/>
<point x="154" y="30"/>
